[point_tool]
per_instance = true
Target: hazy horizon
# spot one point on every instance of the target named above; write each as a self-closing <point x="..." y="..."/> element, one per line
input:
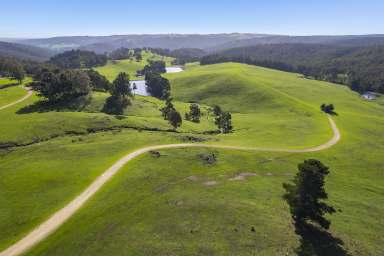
<point x="43" y="18"/>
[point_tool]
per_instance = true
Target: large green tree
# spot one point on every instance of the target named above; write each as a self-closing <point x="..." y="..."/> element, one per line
<point x="174" y="119"/>
<point x="63" y="86"/>
<point x="306" y="195"/>
<point x="121" y="95"/>
<point x="157" y="86"/>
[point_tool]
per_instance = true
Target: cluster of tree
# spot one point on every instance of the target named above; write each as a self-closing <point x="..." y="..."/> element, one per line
<point x="62" y="86"/>
<point x="306" y="195"/>
<point x="194" y="113"/>
<point x="358" y="67"/>
<point x="137" y="53"/>
<point x="10" y="67"/>
<point x="170" y="113"/>
<point x="121" y="54"/>
<point x="223" y="120"/>
<point x="157" y="86"/>
<point x="78" y="59"/>
<point x="154" y="66"/>
<point x="182" y="55"/>
<point x="121" y="95"/>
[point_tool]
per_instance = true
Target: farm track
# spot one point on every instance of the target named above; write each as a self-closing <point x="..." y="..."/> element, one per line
<point x="60" y="217"/>
<point x="29" y="94"/>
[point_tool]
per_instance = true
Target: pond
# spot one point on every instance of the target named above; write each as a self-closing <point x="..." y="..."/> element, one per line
<point x="141" y="88"/>
<point x="174" y="69"/>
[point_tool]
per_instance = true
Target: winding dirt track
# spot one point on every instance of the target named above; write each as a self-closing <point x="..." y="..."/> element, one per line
<point x="29" y="94"/>
<point x="58" y="218"/>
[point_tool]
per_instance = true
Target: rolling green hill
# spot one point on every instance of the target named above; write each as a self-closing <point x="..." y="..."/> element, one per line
<point x="114" y="67"/>
<point x="180" y="203"/>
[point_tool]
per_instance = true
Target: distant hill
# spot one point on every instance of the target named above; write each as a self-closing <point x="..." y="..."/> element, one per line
<point x="209" y="42"/>
<point x="102" y="44"/>
<point x="363" y="40"/>
<point x="360" y="67"/>
<point x="25" y="52"/>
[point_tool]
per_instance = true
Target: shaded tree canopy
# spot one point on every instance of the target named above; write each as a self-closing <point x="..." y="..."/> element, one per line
<point x="78" y="59"/>
<point x="121" y="95"/>
<point x="62" y="85"/>
<point x="157" y="86"/>
<point x="224" y="121"/>
<point x="306" y="194"/>
<point x="174" y="119"/>
<point x="194" y="113"/>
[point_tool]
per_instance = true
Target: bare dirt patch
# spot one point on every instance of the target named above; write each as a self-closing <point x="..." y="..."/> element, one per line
<point x="193" y="178"/>
<point x="243" y="176"/>
<point x="210" y="183"/>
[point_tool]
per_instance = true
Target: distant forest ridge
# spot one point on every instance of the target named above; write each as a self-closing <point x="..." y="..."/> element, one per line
<point x="208" y="42"/>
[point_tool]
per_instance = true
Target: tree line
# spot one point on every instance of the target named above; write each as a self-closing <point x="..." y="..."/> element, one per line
<point x="78" y="59"/>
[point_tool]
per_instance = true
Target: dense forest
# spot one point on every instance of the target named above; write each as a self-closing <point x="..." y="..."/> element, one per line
<point x="361" y="68"/>
<point x="79" y="59"/>
<point x="182" y="55"/>
<point x="25" y="52"/>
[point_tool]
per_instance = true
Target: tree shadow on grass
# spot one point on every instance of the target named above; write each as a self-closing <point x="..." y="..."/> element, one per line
<point x="318" y="242"/>
<point x="44" y="106"/>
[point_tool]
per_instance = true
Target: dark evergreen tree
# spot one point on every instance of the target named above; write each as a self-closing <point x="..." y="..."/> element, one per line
<point x="224" y="122"/>
<point x="157" y="86"/>
<point x="306" y="195"/>
<point x="194" y="113"/>
<point x="167" y="108"/>
<point x="174" y="118"/>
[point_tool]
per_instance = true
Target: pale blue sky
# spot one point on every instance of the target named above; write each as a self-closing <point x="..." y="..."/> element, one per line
<point x="40" y="18"/>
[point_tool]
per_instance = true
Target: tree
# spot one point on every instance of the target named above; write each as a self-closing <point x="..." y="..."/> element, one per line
<point x="121" y="95"/>
<point x="134" y="88"/>
<point x="194" y="113"/>
<point x="217" y="110"/>
<point x="167" y="109"/>
<point x="157" y="86"/>
<point x="18" y="73"/>
<point x="121" y="85"/>
<point x="305" y="196"/>
<point x="174" y="118"/>
<point x="98" y="81"/>
<point x="329" y="109"/>
<point x="224" y="122"/>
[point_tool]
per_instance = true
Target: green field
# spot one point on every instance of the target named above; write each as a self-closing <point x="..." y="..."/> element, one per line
<point x="11" y="94"/>
<point x="6" y="81"/>
<point x="178" y="203"/>
<point x="113" y="68"/>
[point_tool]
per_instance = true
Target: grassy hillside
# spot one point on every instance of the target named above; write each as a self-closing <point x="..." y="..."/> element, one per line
<point x="181" y="204"/>
<point x="11" y="94"/>
<point x="113" y="68"/>
<point x="6" y="81"/>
